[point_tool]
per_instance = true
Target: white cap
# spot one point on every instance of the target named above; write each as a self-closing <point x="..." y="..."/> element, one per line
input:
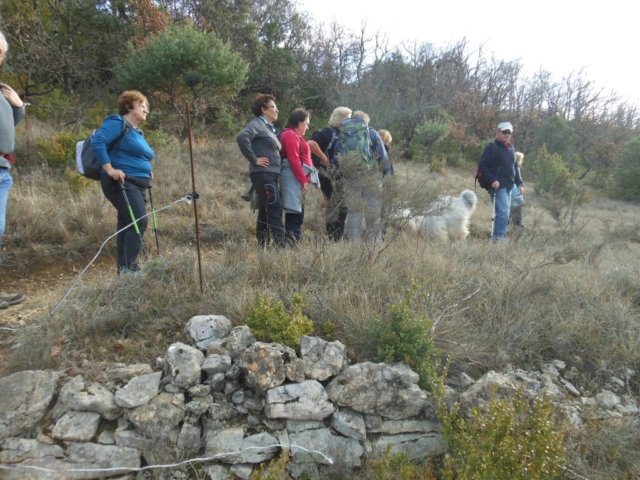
<point x="505" y="126"/>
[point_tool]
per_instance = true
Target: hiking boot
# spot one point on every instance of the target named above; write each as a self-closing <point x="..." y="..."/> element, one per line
<point x="3" y="305"/>
<point x="11" y="298"/>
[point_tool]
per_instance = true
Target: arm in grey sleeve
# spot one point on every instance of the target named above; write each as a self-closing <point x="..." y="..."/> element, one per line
<point x="18" y="114"/>
<point x="244" y="142"/>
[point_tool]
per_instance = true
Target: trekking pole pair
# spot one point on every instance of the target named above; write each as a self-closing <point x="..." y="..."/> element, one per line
<point x="135" y="221"/>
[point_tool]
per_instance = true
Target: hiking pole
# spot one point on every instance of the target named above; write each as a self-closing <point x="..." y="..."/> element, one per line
<point x="493" y="214"/>
<point x="155" y="221"/>
<point x="133" y="219"/>
<point x="195" y="197"/>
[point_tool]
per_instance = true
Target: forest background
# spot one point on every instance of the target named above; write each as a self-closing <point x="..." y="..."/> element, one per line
<point x="70" y="58"/>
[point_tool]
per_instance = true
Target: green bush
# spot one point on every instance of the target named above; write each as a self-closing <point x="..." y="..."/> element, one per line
<point x="406" y="337"/>
<point x="627" y="171"/>
<point x="77" y="183"/>
<point x="512" y="439"/>
<point x="59" y="149"/>
<point x="552" y="174"/>
<point x="270" y="322"/>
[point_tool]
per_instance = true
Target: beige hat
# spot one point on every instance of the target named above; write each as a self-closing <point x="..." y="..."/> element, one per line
<point x="505" y="126"/>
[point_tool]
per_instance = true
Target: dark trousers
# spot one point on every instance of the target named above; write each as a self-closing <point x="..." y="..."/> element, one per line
<point x="516" y="216"/>
<point x="293" y="226"/>
<point x="336" y="213"/>
<point x="128" y="242"/>
<point x="269" y="224"/>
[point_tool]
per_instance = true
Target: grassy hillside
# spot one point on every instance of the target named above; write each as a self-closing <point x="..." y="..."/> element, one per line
<point x="567" y="287"/>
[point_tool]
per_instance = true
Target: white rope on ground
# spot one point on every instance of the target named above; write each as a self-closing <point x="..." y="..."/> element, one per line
<point x="187" y="199"/>
<point x="163" y="467"/>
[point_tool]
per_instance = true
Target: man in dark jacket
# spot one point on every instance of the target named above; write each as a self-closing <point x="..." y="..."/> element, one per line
<point x="498" y="166"/>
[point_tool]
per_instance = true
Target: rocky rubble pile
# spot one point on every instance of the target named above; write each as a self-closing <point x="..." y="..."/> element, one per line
<point x="239" y="402"/>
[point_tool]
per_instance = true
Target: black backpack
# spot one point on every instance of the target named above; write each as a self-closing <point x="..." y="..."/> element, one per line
<point x="86" y="162"/>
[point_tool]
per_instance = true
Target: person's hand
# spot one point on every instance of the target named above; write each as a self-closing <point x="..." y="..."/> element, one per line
<point x="495" y="185"/>
<point x="324" y="162"/>
<point x="521" y="189"/>
<point x="10" y="94"/>
<point x="262" y="162"/>
<point x="305" y="187"/>
<point x="117" y="175"/>
<point x="151" y="175"/>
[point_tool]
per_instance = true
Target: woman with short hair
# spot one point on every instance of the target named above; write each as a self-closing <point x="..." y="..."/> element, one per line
<point x="260" y="146"/>
<point x="296" y="158"/>
<point x="120" y="147"/>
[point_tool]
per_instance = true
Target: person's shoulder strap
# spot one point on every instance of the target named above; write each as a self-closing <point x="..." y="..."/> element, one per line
<point x="334" y="137"/>
<point x="126" y="126"/>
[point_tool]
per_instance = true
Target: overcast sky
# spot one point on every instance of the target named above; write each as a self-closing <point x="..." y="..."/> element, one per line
<point x="560" y="36"/>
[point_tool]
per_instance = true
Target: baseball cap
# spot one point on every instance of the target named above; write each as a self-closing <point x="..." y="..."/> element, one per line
<point x="505" y="126"/>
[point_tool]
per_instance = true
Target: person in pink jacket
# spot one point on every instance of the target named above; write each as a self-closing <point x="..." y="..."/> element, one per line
<point x="295" y="153"/>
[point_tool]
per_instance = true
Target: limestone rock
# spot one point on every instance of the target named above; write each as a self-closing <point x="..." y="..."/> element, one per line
<point x="206" y="328"/>
<point x="216" y="364"/>
<point x="258" y="448"/>
<point x="497" y="386"/>
<point x="182" y="365"/>
<point x="138" y="391"/>
<point x="163" y="413"/>
<point x="239" y="340"/>
<point x="322" y="359"/>
<point x="415" y="445"/>
<point x="242" y="470"/>
<point x="298" y="401"/>
<point x="225" y="444"/>
<point x="349" y="423"/>
<point x="606" y="400"/>
<point x="263" y="366"/>
<point x="294" y="370"/>
<point x="81" y="396"/>
<point x="379" y="389"/>
<point x="126" y="373"/>
<point x="15" y="450"/>
<point x="189" y="439"/>
<point x="320" y="444"/>
<point x="394" y="427"/>
<point x="24" y="398"/>
<point x="76" y="426"/>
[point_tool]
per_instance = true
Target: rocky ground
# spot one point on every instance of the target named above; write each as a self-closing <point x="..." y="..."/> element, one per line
<point x="41" y="283"/>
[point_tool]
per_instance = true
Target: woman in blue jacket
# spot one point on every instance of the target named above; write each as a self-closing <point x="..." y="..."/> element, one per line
<point x="126" y="164"/>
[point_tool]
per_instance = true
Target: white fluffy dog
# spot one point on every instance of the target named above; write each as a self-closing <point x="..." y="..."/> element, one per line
<point x="448" y="218"/>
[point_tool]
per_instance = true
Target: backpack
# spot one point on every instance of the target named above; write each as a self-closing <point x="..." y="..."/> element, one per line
<point x="354" y="137"/>
<point x="480" y="180"/>
<point x="86" y="162"/>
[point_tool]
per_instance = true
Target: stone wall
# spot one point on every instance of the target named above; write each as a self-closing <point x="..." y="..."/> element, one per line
<point x="239" y="402"/>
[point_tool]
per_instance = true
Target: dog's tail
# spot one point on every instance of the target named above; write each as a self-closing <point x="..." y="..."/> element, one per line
<point x="469" y="198"/>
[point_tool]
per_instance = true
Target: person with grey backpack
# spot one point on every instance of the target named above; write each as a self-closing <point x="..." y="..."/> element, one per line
<point x="363" y="179"/>
<point x="126" y="174"/>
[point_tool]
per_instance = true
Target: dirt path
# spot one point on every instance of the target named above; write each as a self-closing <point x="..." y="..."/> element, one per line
<point x="43" y="285"/>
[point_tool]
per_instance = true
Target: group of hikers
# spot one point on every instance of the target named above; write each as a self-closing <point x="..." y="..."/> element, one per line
<point x="283" y="165"/>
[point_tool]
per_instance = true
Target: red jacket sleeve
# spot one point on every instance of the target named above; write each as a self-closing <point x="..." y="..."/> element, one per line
<point x="291" y="150"/>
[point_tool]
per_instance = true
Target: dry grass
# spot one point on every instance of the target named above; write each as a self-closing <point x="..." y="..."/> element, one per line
<point x="566" y="289"/>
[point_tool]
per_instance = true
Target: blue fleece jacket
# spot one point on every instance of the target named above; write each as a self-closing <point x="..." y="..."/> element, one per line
<point x="132" y="155"/>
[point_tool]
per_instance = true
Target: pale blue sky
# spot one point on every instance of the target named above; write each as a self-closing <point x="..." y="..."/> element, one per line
<point x="559" y="36"/>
